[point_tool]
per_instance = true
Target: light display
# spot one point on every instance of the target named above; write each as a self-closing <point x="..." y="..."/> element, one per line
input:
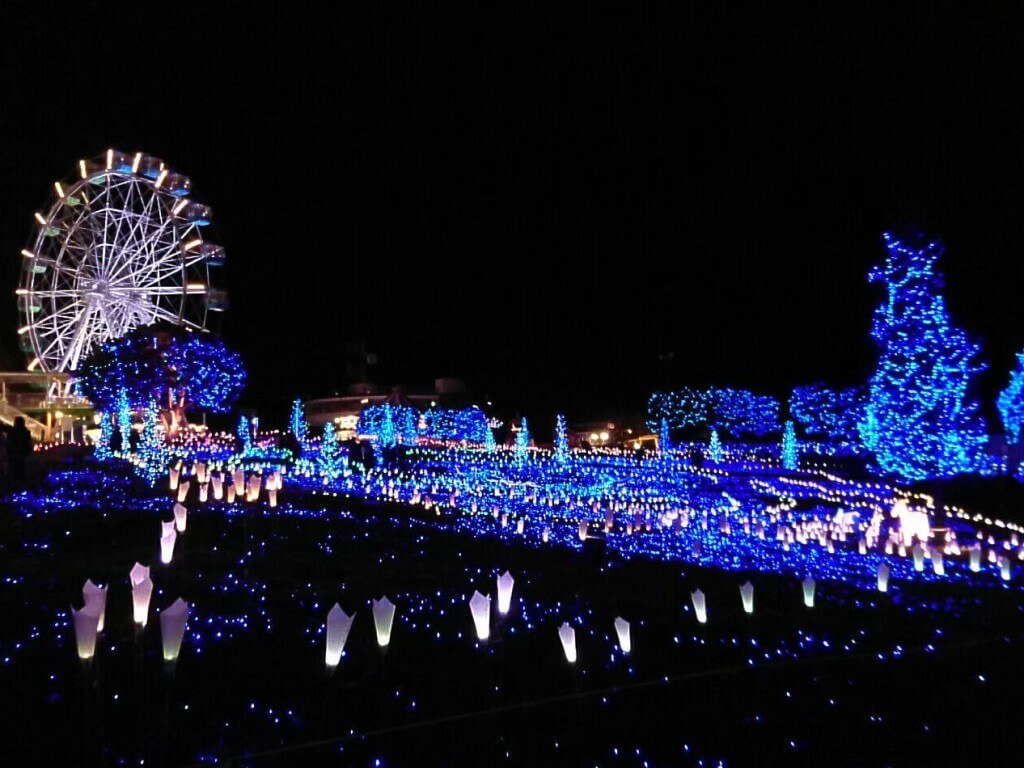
<point x="829" y="414"/>
<point x="567" y="636"/>
<point x="331" y="460"/>
<point x="102" y="450"/>
<point x="790" y="450"/>
<point x="465" y="425"/>
<point x="408" y="427"/>
<point x="339" y="624"/>
<point x="244" y="433"/>
<point x="480" y="608"/>
<point x="919" y="422"/>
<point x="522" y="441"/>
<point x="1011" y="403"/>
<point x="96" y="597"/>
<point x="665" y="439"/>
<point x="124" y="420"/>
<point x="561" y="440"/>
<point x="383" y="620"/>
<point x="747" y="596"/>
<point x="623" y="635"/>
<point x="151" y="446"/>
<point x="715" y="447"/>
<point x="387" y="437"/>
<point x="736" y="411"/>
<point x="172" y="628"/>
<point x="86" y="622"/>
<point x="297" y="422"/>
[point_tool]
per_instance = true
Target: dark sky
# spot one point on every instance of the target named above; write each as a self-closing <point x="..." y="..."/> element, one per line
<point x="541" y="203"/>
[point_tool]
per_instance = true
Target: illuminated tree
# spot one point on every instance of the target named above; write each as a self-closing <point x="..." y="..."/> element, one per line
<point x="297" y="422"/>
<point x="919" y="421"/>
<point x="101" y="451"/>
<point x="151" y="445"/>
<point x="409" y="430"/>
<point x="829" y="414"/>
<point x="790" y="457"/>
<point x="1011" y="402"/>
<point x="736" y="411"/>
<point x="715" y="447"/>
<point x="387" y="437"/>
<point x="331" y="461"/>
<point x="665" y="439"/>
<point x="561" y="440"/>
<point x="244" y="433"/>
<point x="124" y="420"/>
<point x="522" y="441"/>
<point x="489" y="442"/>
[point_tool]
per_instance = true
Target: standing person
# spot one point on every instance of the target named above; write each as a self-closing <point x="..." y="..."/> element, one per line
<point x="19" y="446"/>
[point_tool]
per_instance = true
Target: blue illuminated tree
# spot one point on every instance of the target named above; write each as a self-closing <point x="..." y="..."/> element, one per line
<point x="124" y="420"/>
<point x="919" y="421"/>
<point x="387" y="437"/>
<point x="151" y="445"/>
<point x="101" y="450"/>
<point x="561" y="440"/>
<point x="790" y="453"/>
<point x="331" y="461"/>
<point x="715" y="447"/>
<point x="244" y="433"/>
<point x="1011" y="402"/>
<point x="522" y="441"/>
<point x="408" y="427"/>
<point x="297" y="422"/>
<point x="665" y="439"/>
<point x="489" y="442"/>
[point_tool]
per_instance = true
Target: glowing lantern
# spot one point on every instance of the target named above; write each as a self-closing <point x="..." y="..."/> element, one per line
<point x="138" y="573"/>
<point x="480" y="607"/>
<point x="338" y="626"/>
<point x="883" y="577"/>
<point x="583" y="530"/>
<point x="204" y="492"/>
<point x="383" y="618"/>
<point x="1005" y="567"/>
<point x="568" y="637"/>
<point x="622" y="631"/>
<point x="747" y="595"/>
<point x="173" y="474"/>
<point x="545" y="534"/>
<point x="96" y="597"/>
<point x="180" y="517"/>
<point x="167" y="547"/>
<point x="505" y="584"/>
<point x="172" y="628"/>
<point x="142" y="591"/>
<point x="218" y="486"/>
<point x="699" y="606"/>
<point x="808" y="585"/>
<point x="937" y="564"/>
<point x="238" y="480"/>
<point x="183" y="491"/>
<point x="86" y="623"/>
<point x="976" y="558"/>
<point x="231" y="494"/>
<point x="166" y="528"/>
<point x="918" y="553"/>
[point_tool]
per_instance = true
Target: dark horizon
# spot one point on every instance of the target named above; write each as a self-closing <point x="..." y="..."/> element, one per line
<point x="542" y="205"/>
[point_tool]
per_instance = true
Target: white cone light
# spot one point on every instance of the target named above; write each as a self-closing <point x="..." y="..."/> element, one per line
<point x="167" y="547"/>
<point x="180" y="517"/>
<point x="700" y="607"/>
<point x="622" y="631"/>
<point x="505" y="585"/>
<point x="883" y="577"/>
<point x="747" y="595"/>
<point x="568" y="637"/>
<point x="183" y="491"/>
<point x="86" y="623"/>
<point x="808" y="588"/>
<point x="480" y="607"/>
<point x="96" y="597"/>
<point x="142" y="592"/>
<point x="338" y="626"/>
<point x="383" y="618"/>
<point x="138" y="573"/>
<point x="172" y="628"/>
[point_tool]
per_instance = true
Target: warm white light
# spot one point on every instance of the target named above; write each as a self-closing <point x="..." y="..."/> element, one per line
<point x="167" y="547"/>
<point x="180" y="517"/>
<point x="179" y="206"/>
<point x="338" y="626"/>
<point x="975" y="556"/>
<point x="172" y="628"/>
<point x="238" y="479"/>
<point x="138" y="574"/>
<point x="622" y="630"/>
<point x="808" y="587"/>
<point x="40" y="218"/>
<point x="883" y="577"/>
<point x="700" y="607"/>
<point x="505" y="585"/>
<point x="166" y="528"/>
<point x="191" y="244"/>
<point x="141" y="594"/>
<point x="81" y="169"/>
<point x="747" y="595"/>
<point x="27" y="253"/>
<point x="161" y="178"/>
<point x="59" y="189"/>
<point x="183" y="490"/>
<point x="86" y="623"/>
<point x="383" y="618"/>
<point x="918" y="553"/>
<point x="96" y="597"/>
<point x="110" y="159"/>
<point x="568" y="637"/>
<point x="480" y="607"/>
<point x="173" y="475"/>
<point x="136" y="161"/>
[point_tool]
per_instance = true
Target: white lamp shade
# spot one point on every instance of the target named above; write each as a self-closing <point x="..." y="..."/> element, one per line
<point x="167" y="547"/>
<point x="138" y="573"/>
<point x="383" y="618"/>
<point x="568" y="637"/>
<point x="700" y="607"/>
<point x="183" y="490"/>
<point x="480" y="607"/>
<point x="86" y="623"/>
<point x="96" y="597"/>
<point x="622" y="631"/>
<point x="218" y="487"/>
<point x="338" y="626"/>
<point x="180" y="517"/>
<point x="166" y="528"/>
<point x="173" y="474"/>
<point x="808" y="587"/>
<point x="238" y="480"/>
<point x="505" y="585"/>
<point x="172" y="628"/>
<point x="204" y="492"/>
<point x="747" y="595"/>
<point x="883" y="577"/>
<point x="141" y="594"/>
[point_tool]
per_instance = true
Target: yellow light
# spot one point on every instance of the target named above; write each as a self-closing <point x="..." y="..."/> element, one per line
<point x="195" y="287"/>
<point x="59" y="188"/>
<point x="110" y="159"/>
<point x="161" y="177"/>
<point x="33" y="364"/>
<point x="59" y="415"/>
<point x="179" y="206"/>
<point x="604" y="437"/>
<point x="21" y="291"/>
<point x="40" y="219"/>
<point x="24" y="329"/>
<point x="27" y="253"/>
<point x="593" y="437"/>
<point x="135" y="163"/>
<point x="81" y="169"/>
<point x="193" y="243"/>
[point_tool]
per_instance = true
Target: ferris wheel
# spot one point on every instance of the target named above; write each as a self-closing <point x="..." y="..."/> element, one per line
<point x="118" y="246"/>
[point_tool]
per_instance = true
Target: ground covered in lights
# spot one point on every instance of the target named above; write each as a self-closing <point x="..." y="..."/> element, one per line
<point x="928" y="672"/>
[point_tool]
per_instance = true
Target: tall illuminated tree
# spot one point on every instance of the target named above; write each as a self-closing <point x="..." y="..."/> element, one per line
<point x="408" y="429"/>
<point x="715" y="447"/>
<point x="665" y="439"/>
<point x="151" y="445"/>
<point x="331" y="461"/>
<point x="561" y="440"/>
<point x="1011" y="402"/>
<point x="790" y="455"/>
<point x="522" y="441"/>
<point x="244" y="433"/>
<point x="124" y="420"/>
<point x="387" y="437"/>
<point x="919" y="421"/>
<point x="297" y="422"/>
<point x="101" y="451"/>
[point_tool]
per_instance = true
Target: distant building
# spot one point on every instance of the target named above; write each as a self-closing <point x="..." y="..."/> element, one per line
<point x="628" y="433"/>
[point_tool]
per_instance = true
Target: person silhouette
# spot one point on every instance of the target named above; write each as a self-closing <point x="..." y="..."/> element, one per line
<point x="19" y="446"/>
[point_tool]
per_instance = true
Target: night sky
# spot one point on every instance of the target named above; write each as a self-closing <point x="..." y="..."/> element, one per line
<point x="542" y="204"/>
